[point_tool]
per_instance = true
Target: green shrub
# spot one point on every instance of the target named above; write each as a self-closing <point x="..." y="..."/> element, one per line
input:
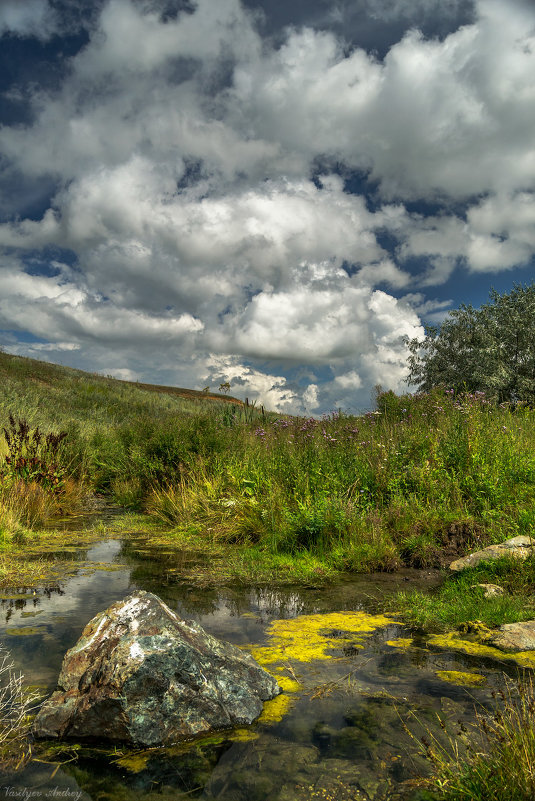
<point x="32" y="457"/>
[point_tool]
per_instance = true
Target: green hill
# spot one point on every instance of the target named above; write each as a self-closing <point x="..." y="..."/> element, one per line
<point x="117" y="437"/>
<point x="50" y="395"/>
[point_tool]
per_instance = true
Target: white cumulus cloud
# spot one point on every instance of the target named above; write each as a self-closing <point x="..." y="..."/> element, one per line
<point x="199" y="180"/>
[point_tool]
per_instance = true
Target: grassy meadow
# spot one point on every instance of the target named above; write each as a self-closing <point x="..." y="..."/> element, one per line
<point x="416" y="482"/>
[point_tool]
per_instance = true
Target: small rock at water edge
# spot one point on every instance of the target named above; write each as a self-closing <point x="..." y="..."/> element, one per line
<point x="515" y="637"/>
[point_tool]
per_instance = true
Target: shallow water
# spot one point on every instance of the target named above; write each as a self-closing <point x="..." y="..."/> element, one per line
<point x="340" y="736"/>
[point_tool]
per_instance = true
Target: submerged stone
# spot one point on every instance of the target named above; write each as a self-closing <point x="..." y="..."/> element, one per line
<point x="520" y="547"/>
<point x="142" y="675"/>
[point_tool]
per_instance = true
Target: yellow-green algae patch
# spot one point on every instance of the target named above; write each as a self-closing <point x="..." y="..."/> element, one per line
<point x="243" y="735"/>
<point x="276" y="709"/>
<point x="462" y="678"/>
<point x="24" y="631"/>
<point x="310" y="637"/>
<point x="135" y="763"/>
<point x="454" y="643"/>
<point x="287" y="684"/>
<point x="400" y="642"/>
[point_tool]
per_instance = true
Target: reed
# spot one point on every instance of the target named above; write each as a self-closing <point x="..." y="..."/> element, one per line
<point x="17" y="706"/>
<point x="493" y="758"/>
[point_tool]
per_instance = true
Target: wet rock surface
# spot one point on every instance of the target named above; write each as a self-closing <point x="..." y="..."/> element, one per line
<point x="140" y="674"/>
<point x="520" y="547"/>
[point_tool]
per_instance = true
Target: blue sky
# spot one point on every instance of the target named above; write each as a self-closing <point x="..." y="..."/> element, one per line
<point x="274" y="194"/>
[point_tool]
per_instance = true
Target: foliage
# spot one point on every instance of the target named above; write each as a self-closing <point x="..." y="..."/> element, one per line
<point x="34" y="478"/>
<point x="460" y="599"/>
<point x="33" y="457"/>
<point x="419" y="481"/>
<point x="42" y="476"/>
<point x="490" y="349"/>
<point x="24" y="504"/>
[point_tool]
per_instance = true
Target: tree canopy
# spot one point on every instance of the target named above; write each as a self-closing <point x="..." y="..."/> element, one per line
<point x="490" y="349"/>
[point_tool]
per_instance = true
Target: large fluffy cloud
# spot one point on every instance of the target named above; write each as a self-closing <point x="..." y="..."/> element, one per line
<point x="197" y="179"/>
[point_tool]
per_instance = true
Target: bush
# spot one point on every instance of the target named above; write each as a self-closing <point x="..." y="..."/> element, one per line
<point x="33" y="457"/>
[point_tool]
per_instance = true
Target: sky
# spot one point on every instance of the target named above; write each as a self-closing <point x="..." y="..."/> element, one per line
<point x="267" y="193"/>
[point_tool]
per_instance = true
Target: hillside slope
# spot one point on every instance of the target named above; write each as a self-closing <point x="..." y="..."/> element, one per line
<point x="50" y="395"/>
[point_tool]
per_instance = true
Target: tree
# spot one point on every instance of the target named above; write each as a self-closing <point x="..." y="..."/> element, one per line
<point x="490" y="349"/>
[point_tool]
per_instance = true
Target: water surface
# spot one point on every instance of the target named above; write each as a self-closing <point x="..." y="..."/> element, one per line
<point x="342" y="736"/>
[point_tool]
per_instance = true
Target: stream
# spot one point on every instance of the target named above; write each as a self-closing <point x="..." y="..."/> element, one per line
<point x="349" y="732"/>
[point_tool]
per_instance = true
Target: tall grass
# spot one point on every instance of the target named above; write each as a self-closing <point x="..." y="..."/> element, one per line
<point x="96" y="449"/>
<point x="422" y="477"/>
<point x="415" y="482"/>
<point x="494" y="760"/>
<point x="16" y="707"/>
<point x="27" y="503"/>
<point x="34" y="479"/>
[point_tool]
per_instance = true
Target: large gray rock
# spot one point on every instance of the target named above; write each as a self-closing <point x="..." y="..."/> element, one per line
<point x="514" y="637"/>
<point x="142" y="675"/>
<point x="520" y="547"/>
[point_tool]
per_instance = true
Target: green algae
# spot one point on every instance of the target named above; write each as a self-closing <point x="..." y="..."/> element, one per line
<point x="243" y="735"/>
<point x="138" y="761"/>
<point x="311" y="637"/>
<point x="134" y="763"/>
<point x="400" y="642"/>
<point x="305" y="639"/>
<point x="276" y="709"/>
<point x="287" y="684"/>
<point x="106" y="567"/>
<point x="23" y="631"/>
<point x="453" y="642"/>
<point x="465" y="679"/>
